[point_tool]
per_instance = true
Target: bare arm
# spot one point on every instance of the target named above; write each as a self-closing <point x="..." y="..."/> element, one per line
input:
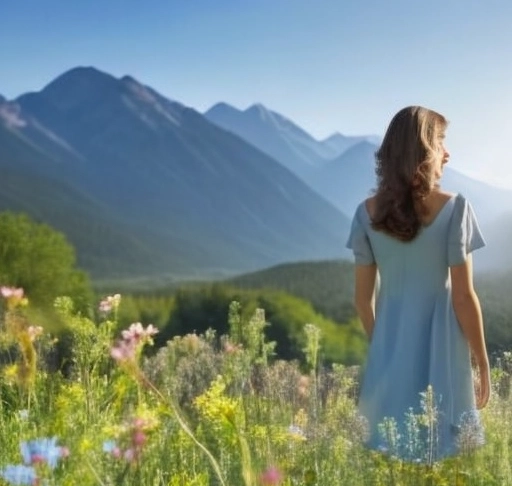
<point x="467" y="308"/>
<point x="469" y="315"/>
<point x="364" y="298"/>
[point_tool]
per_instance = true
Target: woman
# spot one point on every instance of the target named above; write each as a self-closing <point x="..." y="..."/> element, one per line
<point x="418" y="392"/>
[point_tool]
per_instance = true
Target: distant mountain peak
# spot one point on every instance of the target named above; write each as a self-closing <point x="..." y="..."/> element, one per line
<point x="84" y="75"/>
<point x="127" y="79"/>
<point x="255" y="113"/>
<point x="83" y="71"/>
<point x="340" y="143"/>
<point x="223" y="106"/>
<point x="258" y="109"/>
<point x="360" y="152"/>
<point x="77" y="86"/>
<point x="2" y="99"/>
<point x="334" y="137"/>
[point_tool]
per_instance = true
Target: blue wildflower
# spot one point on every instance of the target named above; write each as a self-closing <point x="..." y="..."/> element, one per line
<point x="19" y="475"/>
<point x="41" y="450"/>
<point x="109" y="446"/>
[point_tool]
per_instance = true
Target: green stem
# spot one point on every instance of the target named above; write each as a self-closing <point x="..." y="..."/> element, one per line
<point x="183" y="424"/>
<point x="95" y="473"/>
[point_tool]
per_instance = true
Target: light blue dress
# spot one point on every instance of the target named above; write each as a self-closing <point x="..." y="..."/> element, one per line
<point x="417" y="342"/>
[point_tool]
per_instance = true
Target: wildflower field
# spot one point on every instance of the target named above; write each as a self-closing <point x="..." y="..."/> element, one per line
<point x="97" y="405"/>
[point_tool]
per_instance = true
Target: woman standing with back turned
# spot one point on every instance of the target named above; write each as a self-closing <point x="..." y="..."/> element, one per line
<point x="425" y="321"/>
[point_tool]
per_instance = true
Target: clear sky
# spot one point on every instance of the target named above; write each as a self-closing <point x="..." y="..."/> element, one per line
<point x="329" y="65"/>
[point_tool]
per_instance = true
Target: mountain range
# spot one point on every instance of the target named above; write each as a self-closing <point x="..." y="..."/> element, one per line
<point x="280" y="138"/>
<point x="344" y="173"/>
<point x="143" y="185"/>
<point x="175" y="191"/>
<point x="347" y="176"/>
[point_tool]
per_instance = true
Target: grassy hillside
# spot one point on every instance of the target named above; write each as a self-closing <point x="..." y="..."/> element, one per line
<point x="327" y="285"/>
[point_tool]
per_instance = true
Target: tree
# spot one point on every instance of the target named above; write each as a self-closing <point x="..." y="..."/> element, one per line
<point x="41" y="261"/>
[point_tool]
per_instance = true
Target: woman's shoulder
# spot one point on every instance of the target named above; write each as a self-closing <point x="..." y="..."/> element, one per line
<point x="460" y="201"/>
<point x="444" y="196"/>
<point x="436" y="202"/>
<point x="368" y="206"/>
<point x="459" y="208"/>
<point x="463" y="207"/>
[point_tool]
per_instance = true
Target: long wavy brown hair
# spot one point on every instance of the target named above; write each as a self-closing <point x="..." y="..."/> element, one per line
<point x="405" y="171"/>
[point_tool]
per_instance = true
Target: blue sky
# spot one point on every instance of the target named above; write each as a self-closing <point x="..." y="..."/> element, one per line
<point x="329" y="65"/>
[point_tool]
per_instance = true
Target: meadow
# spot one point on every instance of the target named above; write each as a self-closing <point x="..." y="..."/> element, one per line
<point x="99" y="405"/>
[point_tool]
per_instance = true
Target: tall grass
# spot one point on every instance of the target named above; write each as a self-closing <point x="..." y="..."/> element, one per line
<point x="203" y="410"/>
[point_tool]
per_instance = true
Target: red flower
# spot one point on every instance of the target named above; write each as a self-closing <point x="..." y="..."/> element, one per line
<point x="271" y="477"/>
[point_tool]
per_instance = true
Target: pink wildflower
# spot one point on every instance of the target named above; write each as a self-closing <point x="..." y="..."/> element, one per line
<point x="11" y="292"/>
<point x="271" y="477"/>
<point x="110" y="302"/>
<point x="151" y="330"/>
<point x="139" y="423"/>
<point x="130" y="455"/>
<point x="136" y="332"/>
<point x="124" y="351"/>
<point x="133" y="337"/>
<point x="105" y="307"/>
<point x="139" y="438"/>
<point x="132" y="442"/>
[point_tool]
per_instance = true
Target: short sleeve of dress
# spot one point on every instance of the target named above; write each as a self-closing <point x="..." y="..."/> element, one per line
<point x="464" y="233"/>
<point x="359" y="242"/>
